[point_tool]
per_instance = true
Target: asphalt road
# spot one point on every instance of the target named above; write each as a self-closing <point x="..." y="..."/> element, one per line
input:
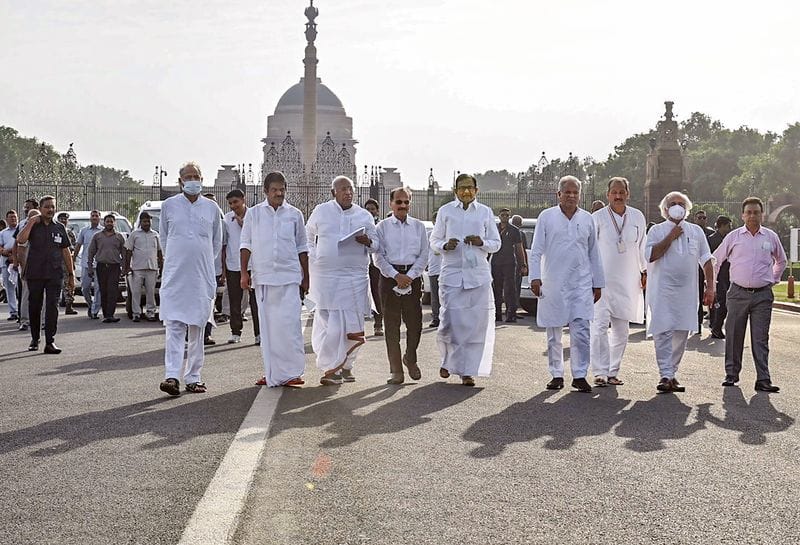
<point x="91" y="451"/>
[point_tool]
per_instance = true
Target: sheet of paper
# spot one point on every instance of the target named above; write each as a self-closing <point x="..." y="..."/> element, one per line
<point x="352" y="236"/>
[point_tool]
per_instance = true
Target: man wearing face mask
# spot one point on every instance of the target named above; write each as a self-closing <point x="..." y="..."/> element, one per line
<point x="340" y="236"/>
<point x="108" y="249"/>
<point x="465" y="234"/>
<point x="191" y="236"/>
<point x="674" y="250"/>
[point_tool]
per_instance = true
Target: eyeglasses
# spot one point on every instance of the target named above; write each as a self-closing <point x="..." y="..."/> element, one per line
<point x="399" y="201"/>
<point x="471" y="188"/>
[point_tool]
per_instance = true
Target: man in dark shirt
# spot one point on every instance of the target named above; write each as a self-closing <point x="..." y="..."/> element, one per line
<point x="701" y="219"/>
<point x="504" y="268"/>
<point x="48" y="260"/>
<point x="516" y="221"/>
<point x="719" y="311"/>
<point x="108" y="247"/>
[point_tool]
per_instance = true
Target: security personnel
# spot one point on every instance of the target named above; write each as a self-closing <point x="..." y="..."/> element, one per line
<point x="68" y="295"/>
<point x="49" y="259"/>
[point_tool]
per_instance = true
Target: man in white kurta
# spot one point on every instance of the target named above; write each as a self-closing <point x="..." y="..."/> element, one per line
<point x="567" y="276"/>
<point x="274" y="250"/>
<point x="674" y="250"/>
<point x="465" y="235"/>
<point x="621" y="239"/>
<point x="191" y="235"/>
<point x="340" y="235"/>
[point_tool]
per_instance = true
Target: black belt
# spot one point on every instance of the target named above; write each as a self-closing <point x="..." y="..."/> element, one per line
<point x="752" y="290"/>
<point x="402" y="268"/>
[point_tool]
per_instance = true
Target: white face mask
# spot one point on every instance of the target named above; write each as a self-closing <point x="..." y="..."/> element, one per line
<point x="192" y="187"/>
<point x="676" y="212"/>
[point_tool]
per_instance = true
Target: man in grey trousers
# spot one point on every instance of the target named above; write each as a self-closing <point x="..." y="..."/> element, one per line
<point x="757" y="261"/>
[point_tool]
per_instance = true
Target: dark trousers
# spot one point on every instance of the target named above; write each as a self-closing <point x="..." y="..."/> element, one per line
<point x="744" y="305"/>
<point x="720" y="310"/>
<point x="108" y="278"/>
<point x="235" y="296"/>
<point x="504" y="282"/>
<point x="701" y="282"/>
<point x="435" y="298"/>
<point x="401" y="308"/>
<point x="43" y="292"/>
<point x="374" y="287"/>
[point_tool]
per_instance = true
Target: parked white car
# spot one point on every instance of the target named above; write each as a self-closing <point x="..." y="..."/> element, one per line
<point x="526" y="299"/>
<point x="426" y="281"/>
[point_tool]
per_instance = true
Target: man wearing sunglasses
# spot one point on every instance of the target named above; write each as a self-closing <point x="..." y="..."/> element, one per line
<point x="465" y="234"/>
<point x="401" y="259"/>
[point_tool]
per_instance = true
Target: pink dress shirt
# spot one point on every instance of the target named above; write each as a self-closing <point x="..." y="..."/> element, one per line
<point x="756" y="260"/>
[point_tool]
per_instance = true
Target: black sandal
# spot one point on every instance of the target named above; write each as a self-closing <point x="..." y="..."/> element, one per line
<point x="171" y="386"/>
<point x="196" y="388"/>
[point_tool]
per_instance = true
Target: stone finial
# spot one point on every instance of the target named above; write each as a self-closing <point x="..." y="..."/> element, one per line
<point x="668" y="113"/>
<point x="311" y="27"/>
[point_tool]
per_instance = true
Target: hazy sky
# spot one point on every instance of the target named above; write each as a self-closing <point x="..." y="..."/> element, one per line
<point x="449" y="84"/>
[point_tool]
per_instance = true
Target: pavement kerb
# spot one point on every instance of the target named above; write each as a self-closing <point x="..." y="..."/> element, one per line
<point x="216" y="517"/>
<point x="791" y="307"/>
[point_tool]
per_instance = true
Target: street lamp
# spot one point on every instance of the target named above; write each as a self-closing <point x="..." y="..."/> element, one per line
<point x="158" y="176"/>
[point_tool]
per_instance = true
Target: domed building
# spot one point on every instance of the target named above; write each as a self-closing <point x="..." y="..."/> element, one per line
<point x="332" y="120"/>
<point x="287" y="147"/>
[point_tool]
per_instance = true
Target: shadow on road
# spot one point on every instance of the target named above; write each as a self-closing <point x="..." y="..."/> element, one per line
<point x="171" y="420"/>
<point x="753" y="421"/>
<point x="563" y="421"/>
<point x="154" y="358"/>
<point x="648" y="424"/>
<point x="309" y="407"/>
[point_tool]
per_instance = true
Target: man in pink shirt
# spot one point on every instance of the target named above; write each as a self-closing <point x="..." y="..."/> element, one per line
<point x="757" y="260"/>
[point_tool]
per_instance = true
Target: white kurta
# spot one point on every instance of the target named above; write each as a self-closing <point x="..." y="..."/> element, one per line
<point x="339" y="280"/>
<point x="466" y="318"/>
<point x="564" y="256"/>
<point x="672" y="280"/>
<point x="622" y="264"/>
<point x="191" y="236"/>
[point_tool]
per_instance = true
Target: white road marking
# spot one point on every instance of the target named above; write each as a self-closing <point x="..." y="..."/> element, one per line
<point x="216" y="517"/>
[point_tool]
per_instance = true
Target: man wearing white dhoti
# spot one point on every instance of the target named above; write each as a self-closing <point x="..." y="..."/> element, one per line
<point x="567" y="277"/>
<point x="340" y="235"/>
<point x="275" y="252"/>
<point x="674" y="250"/>
<point x="621" y="239"/>
<point x="191" y="235"/>
<point x="465" y="234"/>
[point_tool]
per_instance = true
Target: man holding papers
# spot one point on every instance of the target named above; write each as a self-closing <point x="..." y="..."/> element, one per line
<point x="340" y="236"/>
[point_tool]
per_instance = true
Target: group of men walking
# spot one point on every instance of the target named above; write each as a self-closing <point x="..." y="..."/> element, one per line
<point x="592" y="273"/>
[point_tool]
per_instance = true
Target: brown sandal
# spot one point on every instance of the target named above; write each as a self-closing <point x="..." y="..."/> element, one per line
<point x="196" y="388"/>
<point x="614" y="381"/>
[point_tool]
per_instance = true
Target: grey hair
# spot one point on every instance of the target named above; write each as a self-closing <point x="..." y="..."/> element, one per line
<point x="190" y="164"/>
<point x="339" y="178"/>
<point x="568" y="179"/>
<point x="662" y="206"/>
<point x="516" y="218"/>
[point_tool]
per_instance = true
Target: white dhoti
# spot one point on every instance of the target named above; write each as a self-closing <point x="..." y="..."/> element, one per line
<point x="578" y="349"/>
<point x="176" y="332"/>
<point x="670" y="346"/>
<point x="609" y="340"/>
<point x="336" y="337"/>
<point x="282" y="347"/>
<point x="466" y="329"/>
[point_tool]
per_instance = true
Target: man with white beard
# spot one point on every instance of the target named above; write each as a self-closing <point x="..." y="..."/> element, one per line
<point x="340" y="235"/>
<point x="621" y="239"/>
<point x="674" y="250"/>
<point x="191" y="235"/>
<point x="465" y="234"/>
<point x="567" y="276"/>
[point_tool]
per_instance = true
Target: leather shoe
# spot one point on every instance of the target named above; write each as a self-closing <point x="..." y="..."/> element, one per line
<point x="34" y="346"/>
<point x="730" y="380"/>
<point x="717" y="335"/>
<point x="413" y="369"/>
<point x="51" y="348"/>
<point x="581" y="385"/>
<point x="395" y="378"/>
<point x="766" y="386"/>
<point x="434" y="323"/>
<point x="467" y="381"/>
<point x="556" y="384"/>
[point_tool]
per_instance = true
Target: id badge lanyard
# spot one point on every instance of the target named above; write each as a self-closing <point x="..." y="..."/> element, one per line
<point x="620" y="242"/>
